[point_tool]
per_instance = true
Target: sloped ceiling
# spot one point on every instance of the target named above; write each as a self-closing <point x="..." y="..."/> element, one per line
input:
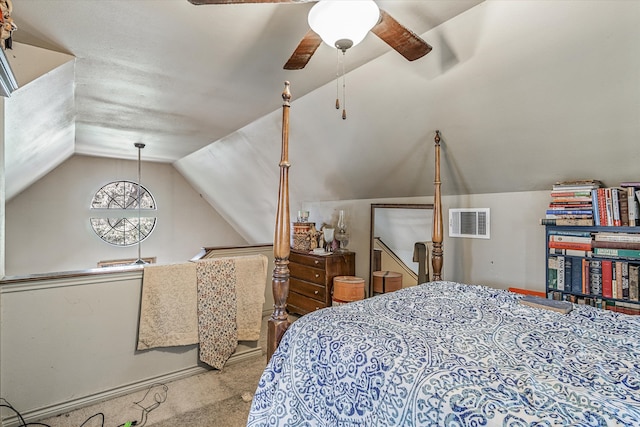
<point x="525" y="93"/>
<point x="175" y="76"/>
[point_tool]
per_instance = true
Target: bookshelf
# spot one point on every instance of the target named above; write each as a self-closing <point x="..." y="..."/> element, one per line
<point x="594" y="265"/>
<point x="593" y="244"/>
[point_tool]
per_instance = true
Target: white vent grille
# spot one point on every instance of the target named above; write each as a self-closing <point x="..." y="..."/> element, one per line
<point x="469" y="223"/>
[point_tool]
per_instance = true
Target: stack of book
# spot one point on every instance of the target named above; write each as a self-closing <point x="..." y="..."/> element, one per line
<point x="620" y="264"/>
<point x="617" y="206"/>
<point x="633" y="200"/>
<point x="572" y="203"/>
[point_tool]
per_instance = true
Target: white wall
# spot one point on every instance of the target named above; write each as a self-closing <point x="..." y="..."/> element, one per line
<point x="513" y="257"/>
<point x="48" y="226"/>
<point x="69" y="342"/>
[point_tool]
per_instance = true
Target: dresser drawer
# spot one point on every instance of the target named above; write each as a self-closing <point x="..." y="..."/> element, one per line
<point x="311" y="279"/>
<point x="307" y="259"/>
<point x="300" y="304"/>
<point x="308" y="289"/>
<point x="307" y="273"/>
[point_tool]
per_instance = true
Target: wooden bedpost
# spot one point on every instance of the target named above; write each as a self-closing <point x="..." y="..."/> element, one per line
<point x="436" y="254"/>
<point x="279" y="321"/>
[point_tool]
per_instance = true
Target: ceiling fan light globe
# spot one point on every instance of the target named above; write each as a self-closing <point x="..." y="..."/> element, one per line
<point x="335" y="20"/>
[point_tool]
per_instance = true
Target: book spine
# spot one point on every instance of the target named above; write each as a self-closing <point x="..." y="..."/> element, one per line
<point x="625" y="280"/>
<point x="552" y="273"/>
<point x="634" y="278"/>
<point x="585" y="276"/>
<point x="615" y="207"/>
<point x="562" y="211"/>
<point x="633" y="206"/>
<point x="619" y="291"/>
<point x="571" y="199"/>
<point x="570" y="252"/>
<point x="576" y="275"/>
<point x="568" y="267"/>
<point x="637" y="203"/>
<point x="616" y="245"/>
<point x="594" y="203"/>
<point x="608" y="207"/>
<point x="561" y="273"/>
<point x="569" y="233"/>
<point x="623" y="201"/>
<point x="563" y="238"/>
<point x="570" y="245"/>
<point x="602" y="206"/>
<point x="607" y="290"/>
<point x="595" y="277"/>
<point x="563" y="216"/>
<point x="616" y="237"/>
<point x="620" y="253"/>
<point x="570" y="194"/>
<point x="567" y="221"/>
<point x="614" y="287"/>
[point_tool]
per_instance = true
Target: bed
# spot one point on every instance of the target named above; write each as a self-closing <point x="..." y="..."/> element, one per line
<point x="443" y="354"/>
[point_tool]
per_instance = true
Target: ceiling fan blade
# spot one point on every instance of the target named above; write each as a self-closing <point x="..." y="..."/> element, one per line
<point x="304" y="51"/>
<point x="201" y="2"/>
<point x="402" y="39"/>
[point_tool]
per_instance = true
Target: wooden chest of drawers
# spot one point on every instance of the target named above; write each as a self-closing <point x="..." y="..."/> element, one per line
<point x="311" y="279"/>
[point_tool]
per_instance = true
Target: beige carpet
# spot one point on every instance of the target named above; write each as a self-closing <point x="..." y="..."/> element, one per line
<point x="213" y="398"/>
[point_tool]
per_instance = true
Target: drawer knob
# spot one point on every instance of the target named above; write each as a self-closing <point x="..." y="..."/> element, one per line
<point x="315" y="292"/>
<point x="317" y="275"/>
<point x="317" y="308"/>
<point x="316" y="261"/>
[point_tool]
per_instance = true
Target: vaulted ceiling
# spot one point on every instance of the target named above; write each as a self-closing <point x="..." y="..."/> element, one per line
<point x="170" y="74"/>
<point x="524" y="92"/>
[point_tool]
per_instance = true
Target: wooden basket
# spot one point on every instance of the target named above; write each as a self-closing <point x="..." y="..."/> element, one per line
<point x="386" y="281"/>
<point x="347" y="289"/>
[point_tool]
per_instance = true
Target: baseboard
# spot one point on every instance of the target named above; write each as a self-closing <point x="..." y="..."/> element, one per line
<point x="72" y="405"/>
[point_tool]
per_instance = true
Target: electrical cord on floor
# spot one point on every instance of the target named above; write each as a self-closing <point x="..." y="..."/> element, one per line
<point x="23" y="423"/>
<point x="159" y="396"/>
<point x="99" y="414"/>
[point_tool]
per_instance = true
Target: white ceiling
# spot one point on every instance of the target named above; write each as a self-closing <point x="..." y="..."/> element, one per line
<point x="177" y="76"/>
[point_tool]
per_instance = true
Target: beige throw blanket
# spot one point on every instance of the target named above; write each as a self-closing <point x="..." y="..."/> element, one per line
<point x="251" y="276"/>
<point x="168" y="311"/>
<point x="215" y="302"/>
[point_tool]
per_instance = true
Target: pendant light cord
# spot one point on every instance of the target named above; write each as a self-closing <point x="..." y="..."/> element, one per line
<point x="139" y="200"/>
<point x="139" y="146"/>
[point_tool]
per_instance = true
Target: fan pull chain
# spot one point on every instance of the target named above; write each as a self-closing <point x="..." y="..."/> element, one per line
<point x="344" y="90"/>
<point x="337" y="79"/>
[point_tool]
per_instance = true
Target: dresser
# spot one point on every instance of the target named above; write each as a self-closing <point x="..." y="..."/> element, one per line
<point x="311" y="279"/>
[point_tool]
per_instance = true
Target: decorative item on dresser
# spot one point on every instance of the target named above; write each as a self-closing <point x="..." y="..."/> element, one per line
<point x="311" y="279"/>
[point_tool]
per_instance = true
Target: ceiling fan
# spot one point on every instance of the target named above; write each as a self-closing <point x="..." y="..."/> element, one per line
<point x="383" y="25"/>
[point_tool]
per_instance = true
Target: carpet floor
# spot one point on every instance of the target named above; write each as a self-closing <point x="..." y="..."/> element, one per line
<point x="213" y="398"/>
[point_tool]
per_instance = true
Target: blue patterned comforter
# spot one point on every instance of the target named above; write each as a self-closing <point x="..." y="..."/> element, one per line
<point x="447" y="354"/>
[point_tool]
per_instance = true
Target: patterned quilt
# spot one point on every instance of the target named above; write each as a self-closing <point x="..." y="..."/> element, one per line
<point x="448" y="354"/>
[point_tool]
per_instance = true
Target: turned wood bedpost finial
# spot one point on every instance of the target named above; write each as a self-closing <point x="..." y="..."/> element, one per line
<point x="279" y="321"/>
<point x="436" y="256"/>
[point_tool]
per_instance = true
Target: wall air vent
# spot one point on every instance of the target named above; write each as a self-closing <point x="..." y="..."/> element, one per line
<point x="469" y="223"/>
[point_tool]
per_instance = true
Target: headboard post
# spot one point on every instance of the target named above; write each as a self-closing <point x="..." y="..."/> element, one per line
<point x="436" y="257"/>
<point x="279" y="321"/>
